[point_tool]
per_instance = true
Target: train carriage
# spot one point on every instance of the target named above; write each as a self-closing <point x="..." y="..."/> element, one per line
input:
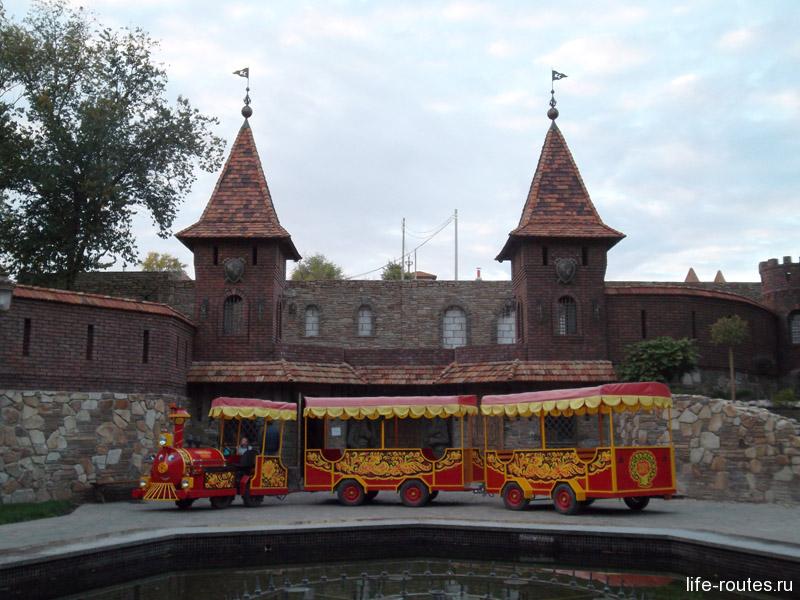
<point x="399" y="444"/>
<point x="568" y="451"/>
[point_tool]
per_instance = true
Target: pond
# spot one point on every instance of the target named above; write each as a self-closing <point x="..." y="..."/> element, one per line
<point x="405" y="579"/>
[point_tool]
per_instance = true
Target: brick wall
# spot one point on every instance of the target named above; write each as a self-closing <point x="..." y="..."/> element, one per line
<point x="674" y="315"/>
<point x="260" y="288"/>
<point x="781" y="292"/>
<point x="406" y="314"/>
<point x="57" y="349"/>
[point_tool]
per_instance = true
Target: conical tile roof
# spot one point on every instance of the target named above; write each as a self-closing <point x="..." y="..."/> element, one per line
<point x="241" y="205"/>
<point x="558" y="204"/>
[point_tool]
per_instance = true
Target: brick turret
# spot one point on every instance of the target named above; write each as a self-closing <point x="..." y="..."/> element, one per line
<point x="240" y="253"/>
<point x="558" y="261"/>
<point x="780" y="289"/>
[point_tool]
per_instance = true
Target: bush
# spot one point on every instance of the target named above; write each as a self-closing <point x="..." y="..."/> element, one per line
<point x="659" y="359"/>
<point x="784" y="397"/>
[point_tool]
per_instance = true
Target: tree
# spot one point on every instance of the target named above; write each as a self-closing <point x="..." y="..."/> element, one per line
<point x="92" y="141"/>
<point x="316" y="267"/>
<point x="730" y="331"/>
<point x="393" y="272"/>
<point x="161" y="262"/>
<point x="659" y="359"/>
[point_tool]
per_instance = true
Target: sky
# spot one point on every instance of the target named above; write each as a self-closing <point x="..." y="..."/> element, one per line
<point x="683" y="118"/>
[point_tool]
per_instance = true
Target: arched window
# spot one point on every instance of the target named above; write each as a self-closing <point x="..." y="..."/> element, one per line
<point x="507" y="325"/>
<point x="794" y="327"/>
<point x="312" y="321"/>
<point x="454" y="328"/>
<point x="233" y="315"/>
<point x="365" y="321"/>
<point x="567" y="323"/>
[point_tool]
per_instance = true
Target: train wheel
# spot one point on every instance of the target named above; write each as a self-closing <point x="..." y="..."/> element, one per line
<point x="433" y="495"/>
<point x="637" y="503"/>
<point x="221" y="501"/>
<point x="251" y="501"/>
<point x="564" y="500"/>
<point x="350" y="493"/>
<point x="184" y="504"/>
<point x="514" y="498"/>
<point x="370" y="496"/>
<point x="414" y="493"/>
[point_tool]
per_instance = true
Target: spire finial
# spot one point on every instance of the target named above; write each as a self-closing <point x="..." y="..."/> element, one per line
<point x="553" y="112"/>
<point x="247" y="112"/>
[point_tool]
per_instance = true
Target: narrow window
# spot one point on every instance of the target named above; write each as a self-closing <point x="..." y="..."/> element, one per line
<point x="365" y="321"/>
<point x="216" y="255"/>
<point x="567" y="323"/>
<point x="694" y="325"/>
<point x="255" y="255"/>
<point x="177" y="350"/>
<point x="232" y="315"/>
<point x="506" y="326"/>
<point x="544" y="256"/>
<point x="26" y="338"/>
<point x="584" y="256"/>
<point x="312" y="321"/>
<point x="644" y="324"/>
<point x="454" y="328"/>
<point x="145" y="346"/>
<point x="89" y="342"/>
<point x="279" y="320"/>
<point x="186" y="353"/>
<point x="794" y="328"/>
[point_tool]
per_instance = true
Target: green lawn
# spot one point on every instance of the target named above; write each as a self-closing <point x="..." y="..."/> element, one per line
<point x="28" y="511"/>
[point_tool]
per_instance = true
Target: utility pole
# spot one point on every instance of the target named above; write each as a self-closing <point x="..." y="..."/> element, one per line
<point x="403" y="253"/>
<point x="456" y="222"/>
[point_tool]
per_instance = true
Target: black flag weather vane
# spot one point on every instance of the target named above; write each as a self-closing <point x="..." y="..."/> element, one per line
<point x="246" y="110"/>
<point x="554" y="77"/>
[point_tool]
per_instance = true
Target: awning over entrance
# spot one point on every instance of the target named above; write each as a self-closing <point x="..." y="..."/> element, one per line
<point x="413" y="407"/>
<point x="252" y="408"/>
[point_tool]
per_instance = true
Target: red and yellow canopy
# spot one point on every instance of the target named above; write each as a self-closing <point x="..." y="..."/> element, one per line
<point x="616" y="397"/>
<point x="414" y="407"/>
<point x="252" y="408"/>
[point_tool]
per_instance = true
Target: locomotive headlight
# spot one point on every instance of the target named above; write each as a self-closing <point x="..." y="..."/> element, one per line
<point x="162" y="441"/>
<point x="185" y="483"/>
<point x="142" y="483"/>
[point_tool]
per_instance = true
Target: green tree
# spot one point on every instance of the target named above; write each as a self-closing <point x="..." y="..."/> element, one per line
<point x="316" y="267"/>
<point x="91" y="140"/>
<point x="161" y="262"/>
<point x="393" y="272"/>
<point x="730" y="331"/>
<point x="659" y="359"/>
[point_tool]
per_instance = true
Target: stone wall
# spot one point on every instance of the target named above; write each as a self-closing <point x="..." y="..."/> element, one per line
<point x="726" y="450"/>
<point x="60" y="445"/>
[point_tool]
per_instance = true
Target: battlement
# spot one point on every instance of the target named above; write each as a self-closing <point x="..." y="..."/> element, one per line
<point x="779" y="276"/>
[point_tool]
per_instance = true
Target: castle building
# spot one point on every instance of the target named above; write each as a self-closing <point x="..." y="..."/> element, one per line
<point x="241" y="328"/>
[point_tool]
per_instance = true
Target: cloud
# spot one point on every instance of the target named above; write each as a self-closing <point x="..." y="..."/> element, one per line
<point x="500" y="49"/>
<point x="736" y="39"/>
<point x="598" y="55"/>
<point x="466" y="11"/>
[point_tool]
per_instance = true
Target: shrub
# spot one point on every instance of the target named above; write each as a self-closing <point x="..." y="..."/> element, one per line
<point x="659" y="359"/>
<point x="784" y="397"/>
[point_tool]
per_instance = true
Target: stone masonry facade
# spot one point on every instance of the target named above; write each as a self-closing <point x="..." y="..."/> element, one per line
<point x="725" y="450"/>
<point x="63" y="445"/>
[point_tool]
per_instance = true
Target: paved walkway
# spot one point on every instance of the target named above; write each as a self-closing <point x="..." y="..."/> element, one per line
<point x="766" y="525"/>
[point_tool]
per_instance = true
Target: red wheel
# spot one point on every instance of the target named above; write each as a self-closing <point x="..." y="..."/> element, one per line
<point x="636" y="503"/>
<point x="350" y="493"/>
<point x="414" y="493"/>
<point x="564" y="500"/>
<point x="514" y="497"/>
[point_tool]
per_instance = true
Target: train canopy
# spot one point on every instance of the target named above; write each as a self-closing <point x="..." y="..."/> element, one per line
<point x="252" y="408"/>
<point x="414" y="407"/>
<point x="618" y="397"/>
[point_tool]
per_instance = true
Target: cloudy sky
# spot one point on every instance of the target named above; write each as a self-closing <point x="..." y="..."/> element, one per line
<point x="684" y="119"/>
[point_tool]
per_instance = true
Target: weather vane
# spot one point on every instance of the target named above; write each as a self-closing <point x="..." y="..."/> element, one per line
<point x="553" y="112"/>
<point x="247" y="112"/>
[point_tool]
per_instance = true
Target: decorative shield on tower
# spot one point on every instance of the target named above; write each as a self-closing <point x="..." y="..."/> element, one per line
<point x="566" y="268"/>
<point x="234" y="269"/>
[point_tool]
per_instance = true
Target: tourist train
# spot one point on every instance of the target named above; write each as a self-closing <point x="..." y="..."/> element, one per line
<point x="573" y="446"/>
